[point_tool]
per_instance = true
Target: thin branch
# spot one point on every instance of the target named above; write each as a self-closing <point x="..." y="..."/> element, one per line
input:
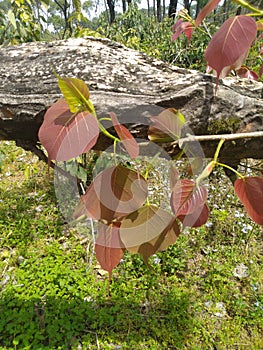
<point x="229" y="137"/>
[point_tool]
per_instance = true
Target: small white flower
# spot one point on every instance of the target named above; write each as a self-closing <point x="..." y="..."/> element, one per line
<point x="39" y="208"/>
<point x="156" y="260"/>
<point x="208" y="224"/>
<point x="238" y="214"/>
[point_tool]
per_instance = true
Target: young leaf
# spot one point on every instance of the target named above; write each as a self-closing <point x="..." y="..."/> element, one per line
<point x="108" y="248"/>
<point x="126" y="137"/>
<point x="144" y="225"/>
<point x="196" y="218"/>
<point x="182" y="27"/>
<point x="114" y="193"/>
<point x="76" y="94"/>
<point x="229" y="46"/>
<point x="166" y="126"/>
<point x="186" y="198"/>
<point x="66" y="135"/>
<point x="250" y="192"/>
<point x="209" y="7"/>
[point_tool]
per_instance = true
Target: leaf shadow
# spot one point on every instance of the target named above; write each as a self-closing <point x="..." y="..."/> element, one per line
<point x="54" y="323"/>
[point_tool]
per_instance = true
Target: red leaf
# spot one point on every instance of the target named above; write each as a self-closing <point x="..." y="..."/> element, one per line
<point x="126" y="137"/>
<point x="114" y="193"/>
<point x="182" y="27"/>
<point x="261" y="50"/>
<point x="166" y="126"/>
<point x="66" y="135"/>
<point x="109" y="248"/>
<point x="186" y="198"/>
<point x="209" y="7"/>
<point x="195" y="219"/>
<point x="229" y="46"/>
<point x="244" y="72"/>
<point x="250" y="192"/>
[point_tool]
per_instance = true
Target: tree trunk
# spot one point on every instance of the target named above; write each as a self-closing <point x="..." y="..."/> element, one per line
<point x="159" y="10"/>
<point x="130" y="84"/>
<point x="148" y="8"/>
<point x="111" y="5"/>
<point x="123" y="6"/>
<point x="154" y="8"/>
<point x="172" y="8"/>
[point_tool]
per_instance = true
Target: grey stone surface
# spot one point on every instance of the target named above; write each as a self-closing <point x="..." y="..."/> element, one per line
<point x="129" y="83"/>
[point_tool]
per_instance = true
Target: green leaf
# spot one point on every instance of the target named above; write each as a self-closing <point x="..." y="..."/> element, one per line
<point x="76" y="94"/>
<point x="12" y="18"/>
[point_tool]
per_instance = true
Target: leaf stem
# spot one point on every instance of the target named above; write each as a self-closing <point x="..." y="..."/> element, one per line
<point x="220" y="144"/>
<point x="248" y="6"/>
<point x="106" y="133"/>
<point x="229" y="167"/>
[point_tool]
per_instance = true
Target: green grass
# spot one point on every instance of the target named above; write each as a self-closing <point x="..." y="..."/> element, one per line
<point x="52" y="297"/>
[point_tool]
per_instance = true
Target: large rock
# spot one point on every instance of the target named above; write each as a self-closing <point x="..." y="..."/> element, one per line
<point x="132" y="85"/>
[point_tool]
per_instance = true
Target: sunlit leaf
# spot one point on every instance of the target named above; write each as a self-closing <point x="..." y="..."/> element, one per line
<point x="166" y="126"/>
<point x="114" y="193"/>
<point x="186" y="198"/>
<point x="196" y="218"/>
<point x="66" y="135"/>
<point x="209" y="7"/>
<point x="250" y="192"/>
<point x="229" y="46"/>
<point x="145" y="225"/>
<point x="76" y="94"/>
<point x="160" y="243"/>
<point x="126" y="137"/>
<point x="11" y="17"/>
<point x="108" y="248"/>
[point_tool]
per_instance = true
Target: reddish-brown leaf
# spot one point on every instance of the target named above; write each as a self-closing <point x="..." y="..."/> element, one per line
<point x="229" y="46"/>
<point x="250" y="192"/>
<point x="182" y="27"/>
<point x="108" y="248"/>
<point x="186" y="198"/>
<point x="114" y="193"/>
<point x="196" y="218"/>
<point x="209" y="7"/>
<point x="166" y="126"/>
<point x="244" y="72"/>
<point x="126" y="137"/>
<point x="144" y="225"/>
<point x="66" y="135"/>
